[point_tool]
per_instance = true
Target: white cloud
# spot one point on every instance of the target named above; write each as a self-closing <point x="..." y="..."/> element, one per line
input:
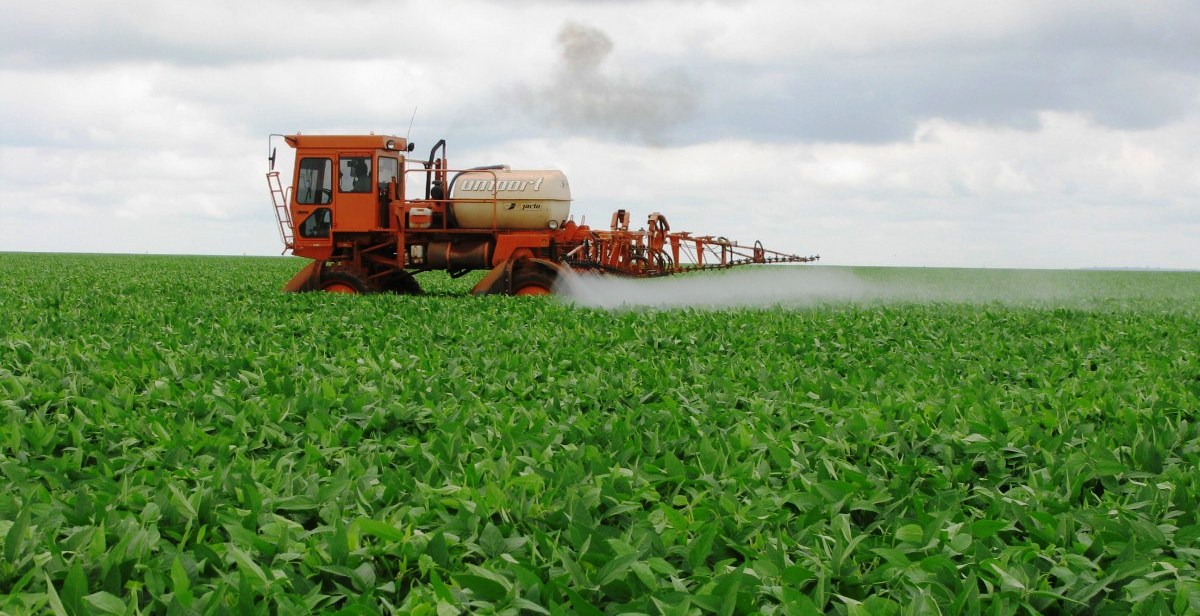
<point x="954" y="195"/>
<point x="911" y="133"/>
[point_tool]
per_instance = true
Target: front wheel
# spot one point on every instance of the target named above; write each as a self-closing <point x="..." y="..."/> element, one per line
<point x="342" y="282"/>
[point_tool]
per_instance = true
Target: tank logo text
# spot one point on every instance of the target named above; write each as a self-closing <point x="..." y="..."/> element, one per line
<point x="524" y="206"/>
<point x="502" y="185"/>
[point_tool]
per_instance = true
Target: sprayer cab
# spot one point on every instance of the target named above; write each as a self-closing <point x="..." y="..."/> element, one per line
<point x="371" y="218"/>
<point x="341" y="184"/>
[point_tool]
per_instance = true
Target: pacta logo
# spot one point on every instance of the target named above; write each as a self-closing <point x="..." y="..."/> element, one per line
<point x="502" y="185"/>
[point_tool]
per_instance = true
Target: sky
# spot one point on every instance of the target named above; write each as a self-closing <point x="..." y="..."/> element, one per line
<point x="937" y="133"/>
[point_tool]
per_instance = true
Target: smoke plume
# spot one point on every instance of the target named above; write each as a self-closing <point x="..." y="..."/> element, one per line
<point x="588" y="93"/>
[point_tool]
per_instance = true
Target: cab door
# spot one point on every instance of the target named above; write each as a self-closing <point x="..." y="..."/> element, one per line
<point x="312" y="205"/>
<point x="356" y="203"/>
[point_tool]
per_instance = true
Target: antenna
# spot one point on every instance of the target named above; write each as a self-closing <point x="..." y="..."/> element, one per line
<point x="410" y="123"/>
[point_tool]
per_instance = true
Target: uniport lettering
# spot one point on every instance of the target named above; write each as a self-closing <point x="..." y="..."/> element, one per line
<point x="502" y="185"/>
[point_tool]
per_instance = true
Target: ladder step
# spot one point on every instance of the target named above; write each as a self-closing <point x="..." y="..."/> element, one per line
<point x="283" y="215"/>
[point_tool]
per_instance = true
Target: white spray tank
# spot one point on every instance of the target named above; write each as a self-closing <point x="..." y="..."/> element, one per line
<point x="537" y="199"/>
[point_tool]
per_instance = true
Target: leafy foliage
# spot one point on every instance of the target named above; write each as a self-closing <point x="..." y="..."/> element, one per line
<point x="178" y="437"/>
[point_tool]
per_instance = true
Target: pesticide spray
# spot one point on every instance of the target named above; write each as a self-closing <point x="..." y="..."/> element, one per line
<point x="808" y="286"/>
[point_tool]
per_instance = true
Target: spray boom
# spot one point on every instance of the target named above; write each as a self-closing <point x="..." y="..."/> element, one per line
<point x="657" y="251"/>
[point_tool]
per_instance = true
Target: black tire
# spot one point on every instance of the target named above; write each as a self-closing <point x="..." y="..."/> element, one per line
<point x="403" y="283"/>
<point x="533" y="280"/>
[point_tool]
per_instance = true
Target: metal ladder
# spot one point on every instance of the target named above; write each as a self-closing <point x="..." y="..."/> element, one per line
<point x="282" y="214"/>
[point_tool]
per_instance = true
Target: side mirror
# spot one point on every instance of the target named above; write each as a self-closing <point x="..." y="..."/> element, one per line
<point x="272" y="159"/>
<point x="411" y="145"/>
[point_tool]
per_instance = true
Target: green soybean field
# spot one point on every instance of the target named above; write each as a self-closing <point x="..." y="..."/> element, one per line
<point x="177" y="436"/>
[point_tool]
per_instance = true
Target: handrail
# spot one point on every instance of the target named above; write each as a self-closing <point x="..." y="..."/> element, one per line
<point x="447" y="201"/>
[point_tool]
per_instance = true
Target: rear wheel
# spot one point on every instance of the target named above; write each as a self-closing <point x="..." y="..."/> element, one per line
<point x="533" y="281"/>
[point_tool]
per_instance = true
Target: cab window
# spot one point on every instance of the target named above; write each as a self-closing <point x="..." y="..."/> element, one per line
<point x="388" y="170"/>
<point x="355" y="174"/>
<point x="314" y="185"/>
<point x="318" y="224"/>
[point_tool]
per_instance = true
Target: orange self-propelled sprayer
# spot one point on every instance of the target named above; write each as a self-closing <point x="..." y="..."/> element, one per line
<point x="349" y="209"/>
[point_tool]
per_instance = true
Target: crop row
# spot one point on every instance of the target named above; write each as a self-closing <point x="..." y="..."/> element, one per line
<point x="178" y="437"/>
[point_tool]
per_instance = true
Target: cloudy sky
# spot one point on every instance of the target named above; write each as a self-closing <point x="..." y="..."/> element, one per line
<point x="909" y="132"/>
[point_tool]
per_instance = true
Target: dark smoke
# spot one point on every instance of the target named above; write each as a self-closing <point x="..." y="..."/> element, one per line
<point x="587" y="93"/>
<point x="583" y="48"/>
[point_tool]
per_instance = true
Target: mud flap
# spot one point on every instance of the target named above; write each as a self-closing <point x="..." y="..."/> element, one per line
<point x="496" y="282"/>
<point x="499" y="281"/>
<point x="307" y="279"/>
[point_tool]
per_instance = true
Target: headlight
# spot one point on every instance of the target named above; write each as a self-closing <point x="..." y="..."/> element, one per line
<point x="553" y="225"/>
<point x="391" y="144"/>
